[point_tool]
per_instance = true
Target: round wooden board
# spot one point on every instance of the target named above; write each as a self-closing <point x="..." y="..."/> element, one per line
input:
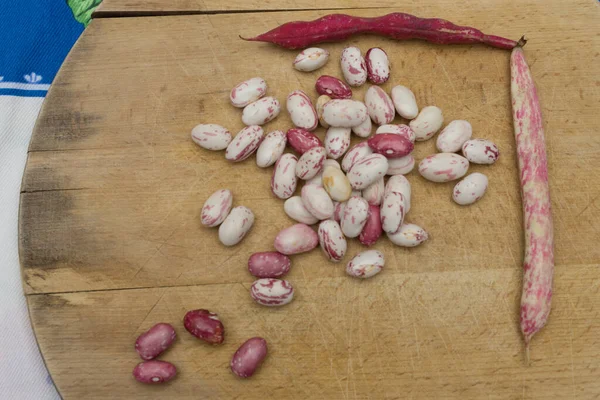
<point x="111" y="243"/>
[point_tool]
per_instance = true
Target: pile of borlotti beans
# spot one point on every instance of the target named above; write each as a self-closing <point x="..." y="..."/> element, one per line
<point x="347" y="200"/>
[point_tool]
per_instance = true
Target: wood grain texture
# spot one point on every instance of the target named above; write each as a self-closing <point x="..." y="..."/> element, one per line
<point x="113" y="189"/>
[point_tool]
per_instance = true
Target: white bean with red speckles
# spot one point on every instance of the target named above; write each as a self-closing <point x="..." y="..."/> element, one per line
<point x="363" y="130"/>
<point x="295" y="209"/>
<point x="338" y="212"/>
<point x="470" y="189"/>
<point x="367" y="171"/>
<point x="400" y="129"/>
<point x="378" y="65"/>
<point x="443" y="167"/>
<point x="337" y="141"/>
<point x="409" y="235"/>
<point x="355" y="154"/>
<point x="211" y="136"/>
<point x="379" y="105"/>
<point x="336" y="184"/>
<point x="216" y="208"/>
<point x="392" y="212"/>
<point x="271" y="149"/>
<point x="374" y="192"/>
<point x="247" y="92"/>
<point x="296" y="239"/>
<point x="261" y="111"/>
<point x="244" y="144"/>
<point x="401" y="165"/>
<point x="399" y="184"/>
<point x="405" y="102"/>
<point x="311" y="163"/>
<point x="284" y="180"/>
<point x="427" y="123"/>
<point x="332" y="240"/>
<point x="366" y="264"/>
<point x="453" y="136"/>
<point x="355" y="216"/>
<point x="480" y="151"/>
<point x="344" y="113"/>
<point x="272" y="292"/>
<point x="354" y="67"/>
<point x="236" y="226"/>
<point x="321" y="100"/>
<point x="302" y="112"/>
<point x="317" y="201"/>
<point x="311" y="59"/>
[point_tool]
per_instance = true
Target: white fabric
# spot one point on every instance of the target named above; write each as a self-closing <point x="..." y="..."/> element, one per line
<point x="23" y="375"/>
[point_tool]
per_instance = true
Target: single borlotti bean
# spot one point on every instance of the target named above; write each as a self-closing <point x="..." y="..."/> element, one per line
<point x="354" y="67"/>
<point x="401" y="165"/>
<point x="244" y="144"/>
<point x="154" y="371"/>
<point x="363" y="130"/>
<point x="427" y="123"/>
<point x="261" y="111"/>
<point x="372" y="229"/>
<point x="344" y="113"/>
<point x="391" y="145"/>
<point x="409" y="235"/>
<point x="311" y="163"/>
<point x="295" y="209"/>
<point x="311" y="59"/>
<point x="211" y="136"/>
<point x="317" y="201"/>
<point x="321" y="100"/>
<point x="405" y="102"/>
<point x="367" y="170"/>
<point x="373" y="193"/>
<point x="355" y="216"/>
<point x="355" y="154"/>
<point x="272" y="292"/>
<point x="271" y="149"/>
<point x="155" y="340"/>
<point x="337" y="141"/>
<point x="453" y="136"/>
<point x="302" y="112"/>
<point x="480" y="151"/>
<point x="249" y="357"/>
<point x="379" y="105"/>
<point x="284" y="180"/>
<point x="332" y="87"/>
<point x="318" y="179"/>
<point x="470" y="189"/>
<point x="269" y="264"/>
<point x="443" y="167"/>
<point x="366" y="264"/>
<point x="336" y="184"/>
<point x="204" y="325"/>
<point x="296" y="239"/>
<point x="236" y="226"/>
<point x="332" y="240"/>
<point x="302" y="140"/>
<point x="399" y="184"/>
<point x="247" y="92"/>
<point x="392" y="212"/>
<point x="216" y="208"/>
<point x="400" y="129"/>
<point x="378" y="65"/>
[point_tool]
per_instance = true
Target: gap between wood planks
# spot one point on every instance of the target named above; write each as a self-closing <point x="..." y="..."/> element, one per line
<point x="165" y="13"/>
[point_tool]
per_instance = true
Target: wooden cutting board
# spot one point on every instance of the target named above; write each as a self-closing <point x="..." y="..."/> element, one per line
<point x="111" y="243"/>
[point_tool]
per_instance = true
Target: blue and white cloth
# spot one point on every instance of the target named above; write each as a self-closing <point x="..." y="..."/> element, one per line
<point x="35" y="38"/>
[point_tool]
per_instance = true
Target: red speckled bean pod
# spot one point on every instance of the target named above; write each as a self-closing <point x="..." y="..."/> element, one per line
<point x="537" y="219"/>
<point x="399" y="26"/>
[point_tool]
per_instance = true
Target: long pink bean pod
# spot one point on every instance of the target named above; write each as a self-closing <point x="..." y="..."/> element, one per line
<point x="399" y="26"/>
<point x="537" y="219"/>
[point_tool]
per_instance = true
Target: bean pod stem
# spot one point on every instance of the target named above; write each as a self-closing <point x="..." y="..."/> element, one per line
<point x="399" y="26"/>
